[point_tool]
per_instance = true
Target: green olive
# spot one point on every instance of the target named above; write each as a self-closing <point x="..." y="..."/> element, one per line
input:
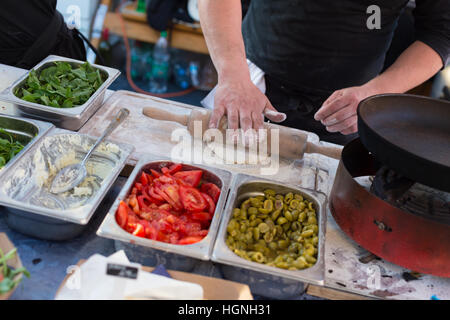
<point x="276" y="230"/>
<point x="268" y="237"/>
<point x="255" y="222"/>
<point x="256" y="233"/>
<point x="295" y="214"/>
<point x="245" y="205"/>
<point x="263" y="227"/>
<point x="282" y="244"/>
<point x="307" y="233"/>
<point x="273" y="246"/>
<point x="288" y="197"/>
<point x="294" y="204"/>
<point x="288" y="216"/>
<point x="270" y="192"/>
<point x="275" y="214"/>
<point x="281" y="220"/>
<point x="267" y="207"/>
<point x="311" y="220"/>
<point x="302" y="216"/>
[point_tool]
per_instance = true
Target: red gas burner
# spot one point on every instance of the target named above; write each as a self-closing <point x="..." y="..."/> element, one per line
<point x="415" y="239"/>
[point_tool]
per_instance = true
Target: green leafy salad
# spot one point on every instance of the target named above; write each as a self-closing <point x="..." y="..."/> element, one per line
<point x="8" y="148"/>
<point x="8" y="276"/>
<point x="60" y="85"/>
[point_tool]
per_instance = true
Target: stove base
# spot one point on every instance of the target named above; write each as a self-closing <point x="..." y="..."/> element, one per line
<point x="408" y="240"/>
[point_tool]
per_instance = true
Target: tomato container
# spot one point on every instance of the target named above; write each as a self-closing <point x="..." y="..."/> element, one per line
<point x="151" y="252"/>
<point x="266" y="280"/>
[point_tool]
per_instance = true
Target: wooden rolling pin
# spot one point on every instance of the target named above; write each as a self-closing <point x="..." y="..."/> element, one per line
<point x="293" y="143"/>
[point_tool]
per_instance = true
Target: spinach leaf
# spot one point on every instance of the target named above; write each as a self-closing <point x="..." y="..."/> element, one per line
<point x="61" y="86"/>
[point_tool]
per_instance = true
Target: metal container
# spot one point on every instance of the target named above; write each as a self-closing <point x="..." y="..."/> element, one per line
<point x="263" y="279"/>
<point x="201" y="250"/>
<point x="67" y="118"/>
<point x="26" y="131"/>
<point x="34" y="211"/>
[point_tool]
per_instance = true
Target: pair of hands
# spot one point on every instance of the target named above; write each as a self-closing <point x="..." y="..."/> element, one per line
<point x="245" y="106"/>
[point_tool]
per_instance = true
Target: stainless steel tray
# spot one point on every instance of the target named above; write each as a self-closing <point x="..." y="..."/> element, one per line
<point x="201" y="250"/>
<point x="67" y="118"/>
<point x="28" y="132"/>
<point x="78" y="215"/>
<point x="244" y="186"/>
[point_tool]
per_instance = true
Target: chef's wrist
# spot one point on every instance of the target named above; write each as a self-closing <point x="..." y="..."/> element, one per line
<point x="232" y="74"/>
<point x="373" y="87"/>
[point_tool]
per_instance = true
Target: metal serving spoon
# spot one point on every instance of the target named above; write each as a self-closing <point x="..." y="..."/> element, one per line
<point x="72" y="175"/>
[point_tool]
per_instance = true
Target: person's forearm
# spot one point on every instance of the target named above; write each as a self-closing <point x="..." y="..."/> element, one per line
<point x="415" y="65"/>
<point x="221" y="24"/>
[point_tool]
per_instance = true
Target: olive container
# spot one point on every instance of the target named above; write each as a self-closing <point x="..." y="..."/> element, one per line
<point x="266" y="280"/>
<point x="152" y="252"/>
<point x="66" y="118"/>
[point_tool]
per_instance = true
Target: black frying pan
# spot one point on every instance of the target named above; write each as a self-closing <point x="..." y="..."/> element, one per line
<point x="410" y="134"/>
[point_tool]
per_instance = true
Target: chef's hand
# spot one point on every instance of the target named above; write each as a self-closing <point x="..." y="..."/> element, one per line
<point x="338" y="112"/>
<point x="243" y="104"/>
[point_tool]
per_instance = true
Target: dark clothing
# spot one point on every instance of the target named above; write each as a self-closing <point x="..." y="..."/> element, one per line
<point x="312" y="48"/>
<point x="324" y="45"/>
<point x="300" y="109"/>
<point x="30" y="30"/>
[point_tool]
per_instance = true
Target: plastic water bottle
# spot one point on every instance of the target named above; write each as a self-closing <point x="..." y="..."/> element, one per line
<point x="194" y="72"/>
<point x="181" y="74"/>
<point x="160" y="65"/>
<point x="136" y="57"/>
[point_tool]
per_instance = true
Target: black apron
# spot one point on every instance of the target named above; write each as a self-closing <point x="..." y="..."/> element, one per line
<point x="57" y="39"/>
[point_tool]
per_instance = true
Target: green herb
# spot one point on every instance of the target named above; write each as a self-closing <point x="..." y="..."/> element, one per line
<point x="9" y="275"/>
<point x="8" y="148"/>
<point x="60" y="86"/>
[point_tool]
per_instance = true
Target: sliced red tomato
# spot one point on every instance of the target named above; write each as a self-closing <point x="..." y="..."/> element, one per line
<point x="170" y="193"/>
<point x="191" y="177"/>
<point x="139" y="186"/>
<point x="155" y="173"/>
<point x="212" y="190"/>
<point x="165" y="206"/>
<point x="210" y="202"/>
<point x="167" y="179"/>
<point x="133" y="203"/>
<point x="192" y="199"/>
<point x="190" y="240"/>
<point x="122" y="214"/>
<point x="144" y="179"/>
<point x="173" y="238"/>
<point x="144" y="202"/>
<point x="139" y="230"/>
<point x="174" y="168"/>
<point x="154" y="195"/>
<point x="201" y="216"/>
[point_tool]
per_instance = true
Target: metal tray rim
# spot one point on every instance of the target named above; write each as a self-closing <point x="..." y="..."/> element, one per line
<point x="80" y="215"/>
<point x="223" y="254"/>
<point x="75" y="112"/>
<point x="43" y="128"/>
<point x="110" y="229"/>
